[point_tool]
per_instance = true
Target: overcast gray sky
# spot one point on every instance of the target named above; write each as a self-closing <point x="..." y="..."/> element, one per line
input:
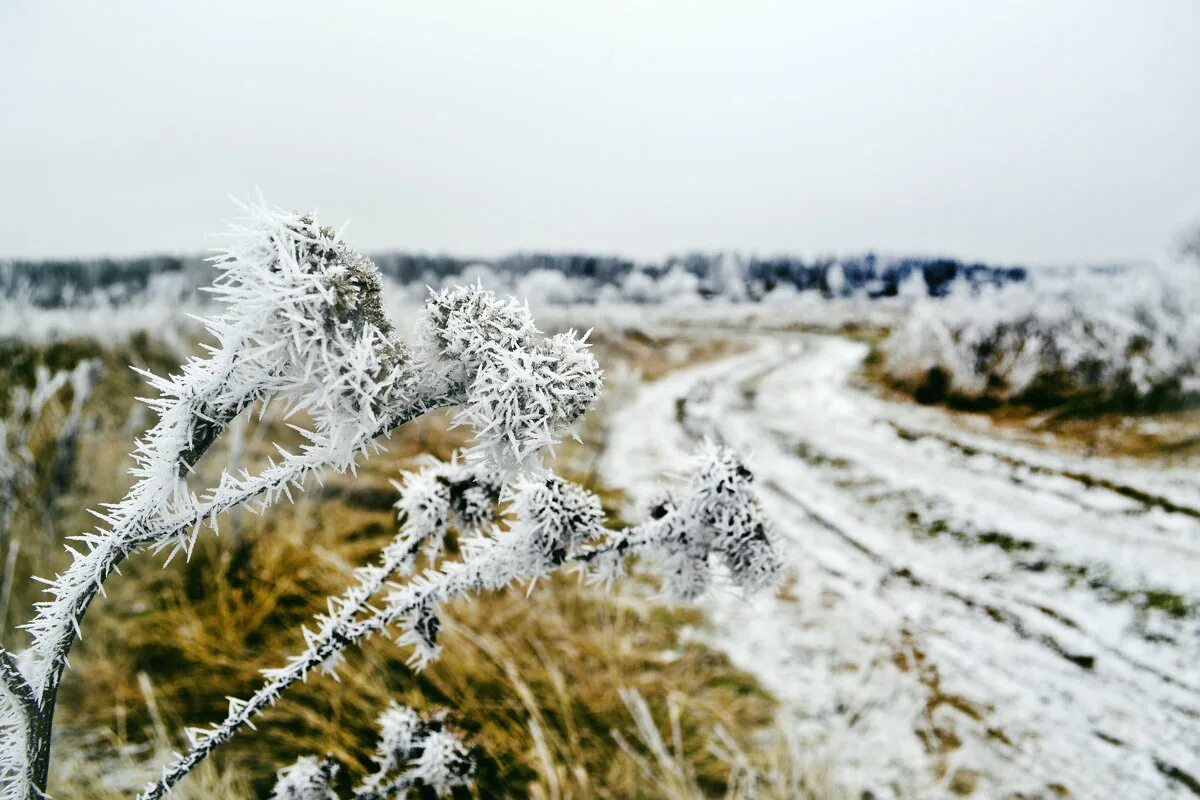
<point x="1015" y="131"/>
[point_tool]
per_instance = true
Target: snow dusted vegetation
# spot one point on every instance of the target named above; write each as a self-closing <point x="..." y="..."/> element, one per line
<point x="1127" y="341"/>
<point x="929" y="603"/>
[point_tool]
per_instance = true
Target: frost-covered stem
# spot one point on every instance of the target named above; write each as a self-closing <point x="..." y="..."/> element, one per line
<point x="304" y="324"/>
<point x="23" y="706"/>
<point x="454" y="581"/>
<point x="107" y="555"/>
<point x="298" y="667"/>
<point x="15" y="682"/>
<point x="719" y="516"/>
<point x="58" y="630"/>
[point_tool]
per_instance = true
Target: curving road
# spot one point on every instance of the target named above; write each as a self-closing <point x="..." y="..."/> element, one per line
<point x="966" y="615"/>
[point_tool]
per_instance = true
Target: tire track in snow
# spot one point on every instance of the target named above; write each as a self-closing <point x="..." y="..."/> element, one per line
<point x="1143" y="497"/>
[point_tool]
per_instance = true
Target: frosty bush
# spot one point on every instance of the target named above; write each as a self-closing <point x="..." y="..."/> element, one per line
<point x="1128" y="341"/>
<point x="303" y="326"/>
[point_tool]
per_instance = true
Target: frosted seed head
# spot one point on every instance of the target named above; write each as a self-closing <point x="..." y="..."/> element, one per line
<point x="572" y="378"/>
<point x="399" y="728"/>
<point x="307" y="779"/>
<point x="420" y="631"/>
<point x="474" y="493"/>
<point x="753" y="560"/>
<point x="443" y="761"/>
<point x="556" y="516"/>
<point x="520" y="402"/>
<point x="465" y="323"/>
<point x="720" y="516"/>
<point x="415" y="751"/>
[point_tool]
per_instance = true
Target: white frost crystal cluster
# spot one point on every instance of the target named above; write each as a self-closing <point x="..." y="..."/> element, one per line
<point x="441" y="495"/>
<point x="524" y="388"/>
<point x="415" y="752"/>
<point x="307" y="779"/>
<point x="719" y="516"/>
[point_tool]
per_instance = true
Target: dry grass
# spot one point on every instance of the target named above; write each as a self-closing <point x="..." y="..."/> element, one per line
<point x="1168" y="436"/>
<point x="653" y="356"/>
<point x="516" y="670"/>
<point x="536" y="679"/>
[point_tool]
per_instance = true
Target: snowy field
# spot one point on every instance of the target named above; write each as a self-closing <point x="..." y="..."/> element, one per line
<point x="965" y="614"/>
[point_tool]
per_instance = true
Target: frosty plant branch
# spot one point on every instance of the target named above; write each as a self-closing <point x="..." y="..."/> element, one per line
<point x="303" y="326"/>
<point x="551" y="522"/>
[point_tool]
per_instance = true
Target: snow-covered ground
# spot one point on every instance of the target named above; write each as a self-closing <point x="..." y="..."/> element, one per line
<point x="967" y="615"/>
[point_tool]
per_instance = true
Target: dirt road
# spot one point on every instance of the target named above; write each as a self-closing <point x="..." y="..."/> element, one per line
<point x="966" y="615"/>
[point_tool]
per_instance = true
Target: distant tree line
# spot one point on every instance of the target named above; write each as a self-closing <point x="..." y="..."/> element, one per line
<point x="58" y="283"/>
<point x="872" y="275"/>
<point x="52" y="284"/>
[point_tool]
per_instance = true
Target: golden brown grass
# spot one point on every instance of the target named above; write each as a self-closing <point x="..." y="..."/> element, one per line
<point x="514" y="669"/>
<point x="534" y="679"/>
<point x="653" y="356"/>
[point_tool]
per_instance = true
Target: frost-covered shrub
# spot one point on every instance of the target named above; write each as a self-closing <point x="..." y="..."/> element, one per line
<point x="551" y="287"/>
<point x="303" y="325"/>
<point x="640" y="287"/>
<point x="1127" y="341"/>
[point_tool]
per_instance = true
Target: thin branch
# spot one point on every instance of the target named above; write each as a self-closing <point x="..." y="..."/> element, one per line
<point x="457" y="579"/>
<point x="720" y="516"/>
<point x="109" y="554"/>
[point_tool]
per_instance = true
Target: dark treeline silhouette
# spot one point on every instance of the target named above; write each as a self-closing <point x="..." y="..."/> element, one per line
<point x="602" y="270"/>
<point x="59" y="283"/>
<point x="52" y="284"/>
<point x="872" y="275"/>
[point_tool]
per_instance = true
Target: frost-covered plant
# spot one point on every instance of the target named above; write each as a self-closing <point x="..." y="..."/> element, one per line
<point x="552" y="524"/>
<point x="39" y="443"/>
<point x="1129" y="340"/>
<point x="303" y="326"/>
<point x="413" y="752"/>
